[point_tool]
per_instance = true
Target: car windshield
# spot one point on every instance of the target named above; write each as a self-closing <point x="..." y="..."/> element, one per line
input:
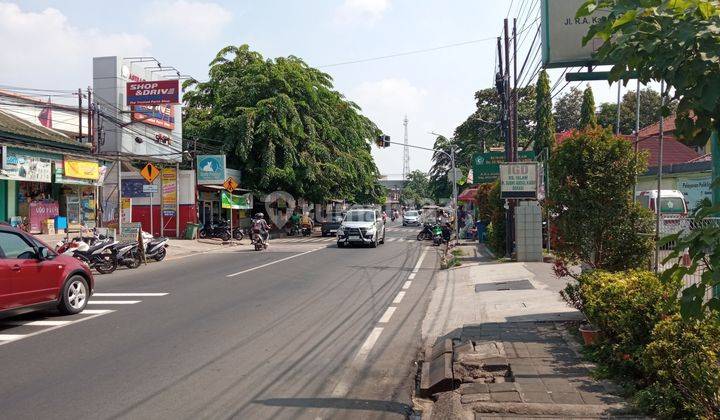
<point x="672" y="205"/>
<point x="360" y="216"/>
<point x="411" y="213"/>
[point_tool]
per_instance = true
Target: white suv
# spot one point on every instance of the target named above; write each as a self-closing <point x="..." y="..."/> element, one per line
<point x="361" y="227"/>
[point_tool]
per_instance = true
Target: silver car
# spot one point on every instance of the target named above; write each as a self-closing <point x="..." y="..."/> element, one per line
<point x="411" y="218"/>
<point x="361" y="227"/>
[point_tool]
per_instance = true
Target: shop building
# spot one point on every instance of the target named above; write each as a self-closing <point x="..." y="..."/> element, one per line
<point x="44" y="174"/>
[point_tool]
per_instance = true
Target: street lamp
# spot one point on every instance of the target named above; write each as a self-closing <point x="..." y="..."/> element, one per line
<point x="451" y="155"/>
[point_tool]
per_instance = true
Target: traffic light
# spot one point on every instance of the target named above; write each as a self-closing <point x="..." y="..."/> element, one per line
<point x="383" y="141"/>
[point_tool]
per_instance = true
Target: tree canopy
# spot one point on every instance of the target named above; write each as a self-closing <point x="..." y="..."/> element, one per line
<point x="588" y="118"/>
<point x="283" y="124"/>
<point x="544" y="136"/>
<point x="417" y="188"/>
<point x="567" y="110"/>
<point x="649" y="111"/>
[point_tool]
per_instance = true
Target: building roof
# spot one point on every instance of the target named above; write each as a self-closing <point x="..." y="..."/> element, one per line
<point x="654" y="129"/>
<point x="18" y="128"/>
<point x="674" y="152"/>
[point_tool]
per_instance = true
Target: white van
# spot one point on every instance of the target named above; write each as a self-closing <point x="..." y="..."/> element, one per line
<point x="672" y="202"/>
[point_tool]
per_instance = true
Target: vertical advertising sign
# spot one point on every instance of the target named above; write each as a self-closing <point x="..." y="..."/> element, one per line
<point x="126" y="210"/>
<point x="169" y="192"/>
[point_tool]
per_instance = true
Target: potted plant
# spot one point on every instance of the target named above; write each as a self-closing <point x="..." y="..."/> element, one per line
<point x="590" y="334"/>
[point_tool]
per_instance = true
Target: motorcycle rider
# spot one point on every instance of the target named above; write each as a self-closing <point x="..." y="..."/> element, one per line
<point x="260" y="227"/>
<point x="306" y="222"/>
<point x="295" y="221"/>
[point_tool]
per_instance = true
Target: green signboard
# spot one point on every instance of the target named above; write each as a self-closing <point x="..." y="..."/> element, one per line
<point x="486" y="166"/>
<point x="239" y="202"/>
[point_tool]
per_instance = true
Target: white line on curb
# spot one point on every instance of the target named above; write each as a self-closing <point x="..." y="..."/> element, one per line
<point x="387" y="315"/>
<point x="272" y="262"/>
<point x="399" y="297"/>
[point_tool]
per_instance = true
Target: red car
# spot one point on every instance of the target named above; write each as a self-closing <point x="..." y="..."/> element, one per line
<point x="34" y="277"/>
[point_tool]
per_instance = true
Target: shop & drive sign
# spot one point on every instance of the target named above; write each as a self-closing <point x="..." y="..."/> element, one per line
<point x="155" y="92"/>
<point x="519" y="180"/>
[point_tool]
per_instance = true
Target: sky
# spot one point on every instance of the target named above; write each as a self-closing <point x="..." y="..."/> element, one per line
<point x="50" y="44"/>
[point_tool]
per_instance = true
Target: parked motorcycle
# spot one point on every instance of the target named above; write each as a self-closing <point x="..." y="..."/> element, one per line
<point x="437" y="235"/>
<point x="306" y="230"/>
<point x="155" y="248"/>
<point x="294" y="230"/>
<point x="99" y="256"/>
<point x="128" y="254"/>
<point x="238" y="234"/>
<point x="220" y="229"/>
<point x="426" y="233"/>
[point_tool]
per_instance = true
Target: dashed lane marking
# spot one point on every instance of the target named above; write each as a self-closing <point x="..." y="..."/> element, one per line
<point x="407" y="285"/>
<point x="399" y="297"/>
<point x="272" y="262"/>
<point x="113" y="302"/>
<point x="387" y="315"/>
<point x="342" y="388"/>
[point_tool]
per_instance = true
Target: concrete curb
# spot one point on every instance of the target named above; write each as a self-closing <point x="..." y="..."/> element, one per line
<point x="542" y="409"/>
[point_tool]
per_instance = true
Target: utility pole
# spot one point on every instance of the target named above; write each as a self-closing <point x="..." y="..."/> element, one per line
<point x="658" y="200"/>
<point x="508" y="137"/>
<point x="406" y="152"/>
<point x="91" y="136"/>
<point x="80" y="116"/>
<point x="515" y="95"/>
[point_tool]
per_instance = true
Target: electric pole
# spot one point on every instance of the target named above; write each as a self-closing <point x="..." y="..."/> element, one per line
<point x="406" y="152"/>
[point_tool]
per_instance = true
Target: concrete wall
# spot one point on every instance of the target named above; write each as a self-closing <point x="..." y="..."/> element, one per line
<point x="528" y="231"/>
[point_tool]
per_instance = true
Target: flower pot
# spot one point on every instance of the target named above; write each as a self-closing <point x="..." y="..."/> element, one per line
<point x="590" y="334"/>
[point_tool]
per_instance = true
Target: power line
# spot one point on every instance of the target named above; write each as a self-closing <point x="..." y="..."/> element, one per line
<point x="402" y="54"/>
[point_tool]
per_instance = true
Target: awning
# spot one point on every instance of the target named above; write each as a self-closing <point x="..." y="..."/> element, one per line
<point x="468" y="195"/>
<point x="218" y="188"/>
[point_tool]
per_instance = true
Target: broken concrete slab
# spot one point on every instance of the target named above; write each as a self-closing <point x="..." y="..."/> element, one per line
<point x="474" y="398"/>
<point x="474" y="388"/>
<point x="437" y="375"/>
<point x="440" y="348"/>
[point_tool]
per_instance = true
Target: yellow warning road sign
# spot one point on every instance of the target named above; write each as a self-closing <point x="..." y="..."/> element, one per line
<point x="230" y="184"/>
<point x="150" y="172"/>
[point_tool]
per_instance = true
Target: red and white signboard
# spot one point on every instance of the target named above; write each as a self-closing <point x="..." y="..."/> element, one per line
<point x="153" y="92"/>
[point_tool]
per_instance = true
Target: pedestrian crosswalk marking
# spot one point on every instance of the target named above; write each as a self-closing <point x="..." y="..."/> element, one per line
<point x="328" y="240"/>
<point x="46" y="325"/>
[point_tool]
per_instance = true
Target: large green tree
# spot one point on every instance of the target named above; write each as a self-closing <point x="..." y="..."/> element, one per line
<point x="588" y="118"/>
<point x="417" y="188"/>
<point x="567" y="110"/>
<point x="284" y="125"/>
<point x="544" y="135"/>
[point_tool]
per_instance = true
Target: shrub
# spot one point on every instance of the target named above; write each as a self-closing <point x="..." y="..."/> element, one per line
<point x="683" y="357"/>
<point x="625" y="306"/>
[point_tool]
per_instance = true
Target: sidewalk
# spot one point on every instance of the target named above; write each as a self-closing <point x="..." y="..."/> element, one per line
<point x="498" y="332"/>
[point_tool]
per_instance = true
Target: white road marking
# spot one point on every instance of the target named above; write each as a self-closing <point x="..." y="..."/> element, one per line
<point x="407" y="285"/>
<point x="273" y="262"/>
<point x="113" y="302"/>
<point x="39" y="323"/>
<point x="128" y="294"/>
<point x="11" y="337"/>
<point x="399" y="297"/>
<point x="96" y="311"/>
<point x="343" y="386"/>
<point x="411" y="276"/>
<point x="419" y="262"/>
<point x="387" y="315"/>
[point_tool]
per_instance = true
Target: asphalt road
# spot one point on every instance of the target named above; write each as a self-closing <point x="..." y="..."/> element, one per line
<point x="300" y="331"/>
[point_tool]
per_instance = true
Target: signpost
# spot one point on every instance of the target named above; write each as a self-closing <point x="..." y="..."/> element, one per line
<point x="230" y="185"/>
<point x="150" y="172"/>
<point x="486" y="166"/>
<point x="519" y="180"/>
<point x="562" y="34"/>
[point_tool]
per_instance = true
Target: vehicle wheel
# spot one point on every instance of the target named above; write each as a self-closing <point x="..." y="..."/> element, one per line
<point x="74" y="297"/>
<point x="136" y="261"/>
<point x="161" y="255"/>
<point x="107" y="266"/>
<point x="374" y="243"/>
<point x="421" y="236"/>
<point x="225" y="236"/>
<point x="238" y="235"/>
<point x="202" y="234"/>
<point x="341" y="244"/>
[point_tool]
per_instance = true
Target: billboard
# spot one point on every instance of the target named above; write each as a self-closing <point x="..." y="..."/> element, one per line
<point x="562" y="34"/>
<point x="155" y="92"/>
<point x="486" y="166"/>
<point x="211" y="169"/>
<point x="519" y="180"/>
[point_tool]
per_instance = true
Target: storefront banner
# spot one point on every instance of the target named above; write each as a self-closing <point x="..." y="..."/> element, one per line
<point x="134" y="188"/>
<point x="27" y="165"/>
<point x="82" y="169"/>
<point x="126" y="210"/>
<point x="239" y="202"/>
<point x="39" y="212"/>
<point x="169" y="192"/>
<point x="211" y="169"/>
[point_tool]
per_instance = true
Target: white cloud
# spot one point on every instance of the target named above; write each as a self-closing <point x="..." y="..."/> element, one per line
<point x="44" y="50"/>
<point x="355" y="11"/>
<point x="196" y="20"/>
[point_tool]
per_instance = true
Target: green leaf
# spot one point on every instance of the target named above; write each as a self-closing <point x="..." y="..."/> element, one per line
<point x="586" y="9"/>
<point x="706" y="9"/>
<point x="626" y="18"/>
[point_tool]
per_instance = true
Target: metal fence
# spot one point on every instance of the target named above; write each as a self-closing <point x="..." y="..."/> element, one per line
<point x="683" y="226"/>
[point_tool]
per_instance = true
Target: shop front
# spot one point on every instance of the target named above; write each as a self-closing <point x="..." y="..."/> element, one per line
<point x="42" y="193"/>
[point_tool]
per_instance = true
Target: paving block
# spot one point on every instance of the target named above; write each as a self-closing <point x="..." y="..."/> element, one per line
<point x="536" y="397"/>
<point x="473" y="398"/>
<point x="566" y="397"/>
<point x="441" y="347"/>
<point x="437" y="375"/>
<point x="510" y="396"/>
<point x="502" y="387"/>
<point x="474" y="388"/>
